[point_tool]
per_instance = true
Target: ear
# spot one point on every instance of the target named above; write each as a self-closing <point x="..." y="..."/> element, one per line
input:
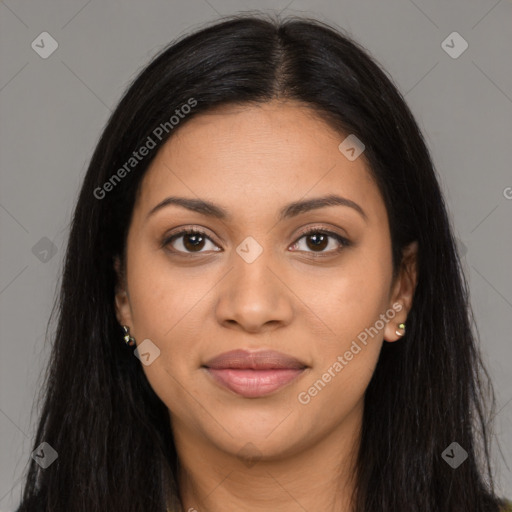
<point x="403" y="291"/>
<point x="122" y="299"/>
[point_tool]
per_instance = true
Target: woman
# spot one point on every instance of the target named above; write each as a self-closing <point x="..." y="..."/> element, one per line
<point x="262" y="305"/>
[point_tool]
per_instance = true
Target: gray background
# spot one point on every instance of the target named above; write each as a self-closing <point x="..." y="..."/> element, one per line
<point x="53" y="110"/>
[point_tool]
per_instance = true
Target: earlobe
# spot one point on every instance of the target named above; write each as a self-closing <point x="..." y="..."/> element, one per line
<point x="395" y="328"/>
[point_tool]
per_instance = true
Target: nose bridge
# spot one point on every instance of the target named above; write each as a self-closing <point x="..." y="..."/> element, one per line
<point x="251" y="295"/>
<point x="252" y="274"/>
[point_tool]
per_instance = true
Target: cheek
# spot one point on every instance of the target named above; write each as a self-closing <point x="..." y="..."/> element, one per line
<point x="350" y="298"/>
<point x="352" y="307"/>
<point x="166" y="308"/>
<point x="160" y="297"/>
<point x="162" y="305"/>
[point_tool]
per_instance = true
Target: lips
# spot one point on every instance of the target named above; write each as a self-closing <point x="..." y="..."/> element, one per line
<point x="265" y="360"/>
<point x="254" y="374"/>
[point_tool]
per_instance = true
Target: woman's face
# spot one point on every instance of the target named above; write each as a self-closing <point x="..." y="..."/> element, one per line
<point x="253" y="281"/>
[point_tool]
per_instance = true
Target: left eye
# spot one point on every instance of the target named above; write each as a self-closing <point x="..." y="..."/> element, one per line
<point x="318" y="241"/>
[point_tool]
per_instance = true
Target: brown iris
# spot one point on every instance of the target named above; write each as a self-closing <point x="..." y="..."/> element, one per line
<point x="193" y="241"/>
<point x="319" y="241"/>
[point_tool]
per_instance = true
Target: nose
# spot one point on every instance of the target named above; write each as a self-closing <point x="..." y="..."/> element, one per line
<point x="253" y="298"/>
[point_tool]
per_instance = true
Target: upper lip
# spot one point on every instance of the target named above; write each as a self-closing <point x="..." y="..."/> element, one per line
<point x="262" y="360"/>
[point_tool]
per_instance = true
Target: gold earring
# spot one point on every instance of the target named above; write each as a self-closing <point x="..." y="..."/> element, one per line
<point x="129" y="340"/>
<point x="400" y="326"/>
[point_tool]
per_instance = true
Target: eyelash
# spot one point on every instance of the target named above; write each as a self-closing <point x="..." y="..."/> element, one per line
<point x="314" y="230"/>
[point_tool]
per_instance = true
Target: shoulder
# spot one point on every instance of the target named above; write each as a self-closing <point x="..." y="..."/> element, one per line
<point x="507" y="506"/>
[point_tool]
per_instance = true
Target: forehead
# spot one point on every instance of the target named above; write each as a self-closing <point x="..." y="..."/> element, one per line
<point x="258" y="156"/>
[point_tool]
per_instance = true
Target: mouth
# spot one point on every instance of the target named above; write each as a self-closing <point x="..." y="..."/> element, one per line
<point x="254" y="374"/>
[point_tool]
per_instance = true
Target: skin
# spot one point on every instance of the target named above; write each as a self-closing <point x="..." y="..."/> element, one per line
<point x="252" y="161"/>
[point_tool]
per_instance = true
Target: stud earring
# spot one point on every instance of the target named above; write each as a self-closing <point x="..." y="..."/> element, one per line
<point x="129" y="340"/>
<point x="400" y="326"/>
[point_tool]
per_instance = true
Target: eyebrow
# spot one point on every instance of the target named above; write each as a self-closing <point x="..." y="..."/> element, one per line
<point x="210" y="209"/>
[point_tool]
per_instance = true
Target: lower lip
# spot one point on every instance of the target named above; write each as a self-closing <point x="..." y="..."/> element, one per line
<point x="254" y="383"/>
